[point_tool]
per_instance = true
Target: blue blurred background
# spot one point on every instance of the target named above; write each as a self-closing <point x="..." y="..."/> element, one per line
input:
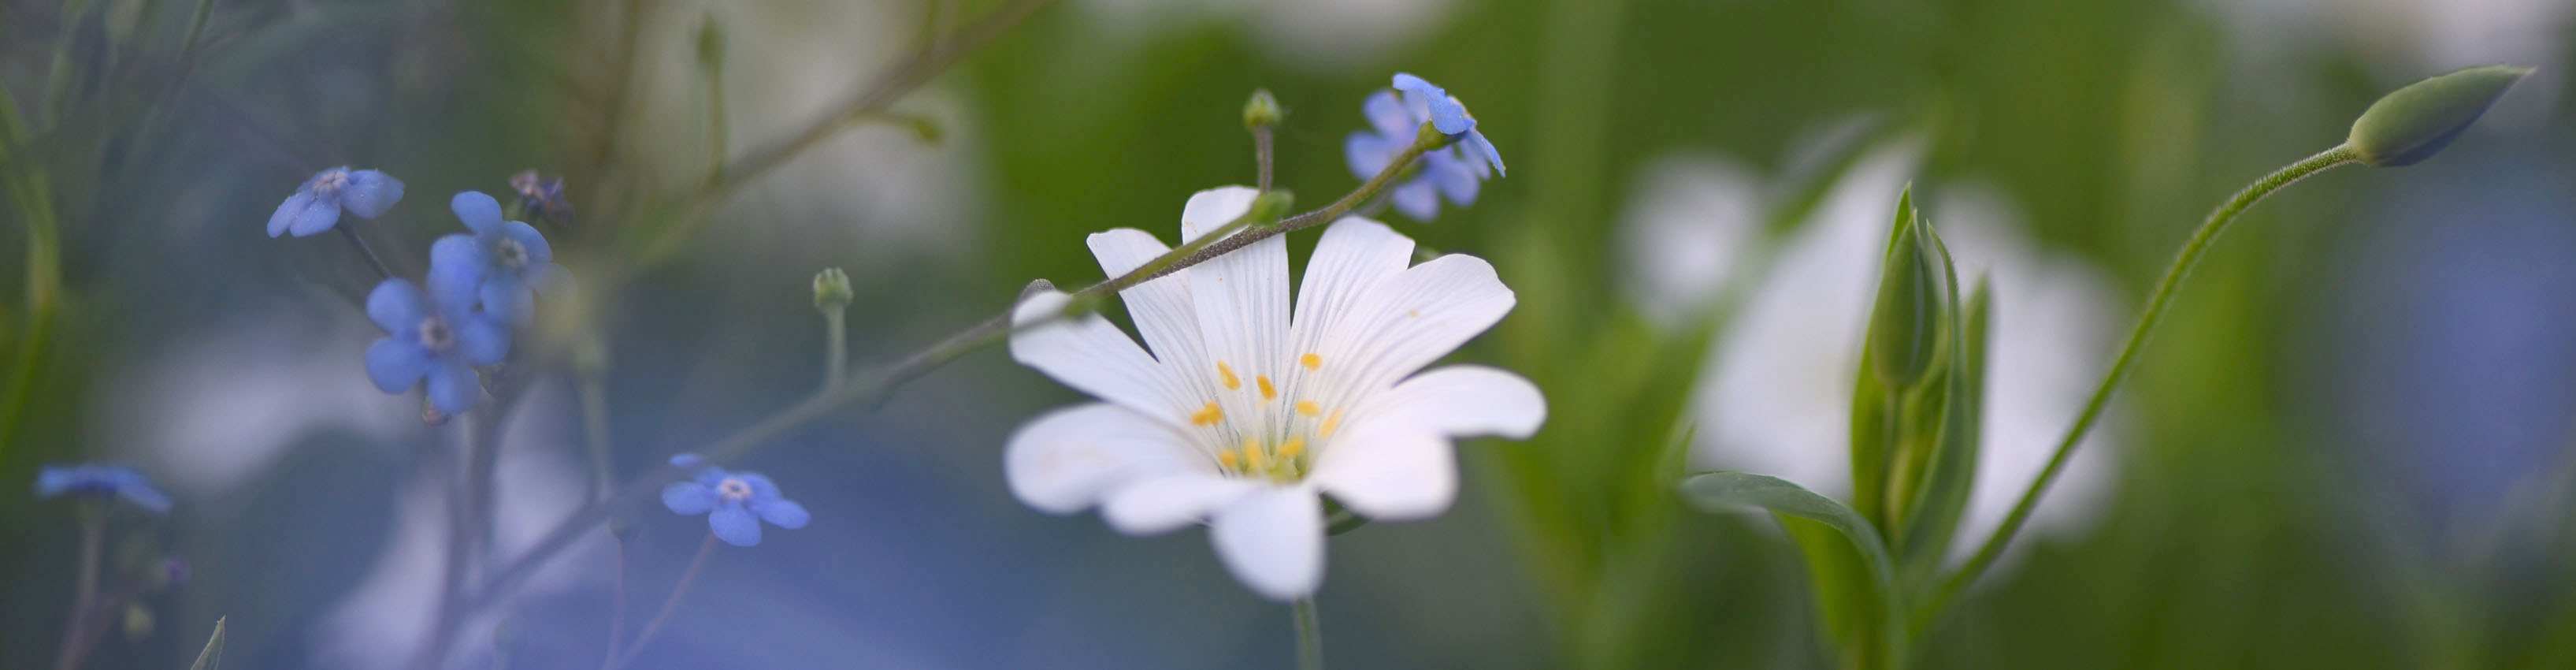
<point x="2349" y="448"/>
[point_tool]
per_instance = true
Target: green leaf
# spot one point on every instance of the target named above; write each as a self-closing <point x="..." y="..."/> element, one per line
<point x="1857" y="597"/>
<point x="212" y="657"/>
<point x="1950" y="475"/>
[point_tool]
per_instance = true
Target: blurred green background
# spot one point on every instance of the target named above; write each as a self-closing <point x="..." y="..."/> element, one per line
<point x="2348" y="448"/>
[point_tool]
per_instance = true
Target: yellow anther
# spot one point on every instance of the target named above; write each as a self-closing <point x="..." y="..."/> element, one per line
<point x="1226" y="374"/>
<point x="1229" y="460"/>
<point x="1294" y="446"/>
<point x="1308" y="408"/>
<point x="1268" y="392"/>
<point x="1208" y="416"/>
<point x="1330" y="423"/>
<point x="1252" y="454"/>
<point x="1311" y="361"/>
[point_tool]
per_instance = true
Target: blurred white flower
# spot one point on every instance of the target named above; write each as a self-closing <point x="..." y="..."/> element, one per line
<point x="2418" y="37"/>
<point x="1317" y="35"/>
<point x="1686" y="225"/>
<point x="1245" y="413"/>
<point x="1777" y="396"/>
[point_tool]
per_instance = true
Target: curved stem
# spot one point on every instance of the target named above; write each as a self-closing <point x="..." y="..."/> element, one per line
<point x="348" y="230"/>
<point x="671" y="604"/>
<point x="1310" y="634"/>
<point x="2148" y="317"/>
<point x="93" y="535"/>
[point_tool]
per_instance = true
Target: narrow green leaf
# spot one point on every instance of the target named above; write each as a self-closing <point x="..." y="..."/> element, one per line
<point x="212" y="658"/>
<point x="1933" y="516"/>
<point x="1725" y="491"/>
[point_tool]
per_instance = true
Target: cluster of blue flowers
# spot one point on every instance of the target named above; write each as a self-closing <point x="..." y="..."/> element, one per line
<point x="481" y="284"/>
<point x="104" y="482"/>
<point x="735" y="502"/>
<point x="1454" y="170"/>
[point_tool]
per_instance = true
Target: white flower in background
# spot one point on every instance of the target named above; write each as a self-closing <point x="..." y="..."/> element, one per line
<point x="1312" y="35"/>
<point x="1245" y="414"/>
<point x="1777" y="398"/>
<point x="1686" y="223"/>
<point x="2414" y="37"/>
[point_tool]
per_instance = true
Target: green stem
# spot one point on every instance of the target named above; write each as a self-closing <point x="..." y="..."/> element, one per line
<point x="1310" y="634"/>
<point x="2148" y="317"/>
<point x="836" y="352"/>
<point x="93" y="536"/>
<point x="669" y="605"/>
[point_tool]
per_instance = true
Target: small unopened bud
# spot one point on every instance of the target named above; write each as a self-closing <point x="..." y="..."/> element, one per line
<point x="138" y="622"/>
<point x="831" y="290"/>
<point x="1905" y="325"/>
<point x="1271" y="206"/>
<point x="2413" y="123"/>
<point x="1262" y="110"/>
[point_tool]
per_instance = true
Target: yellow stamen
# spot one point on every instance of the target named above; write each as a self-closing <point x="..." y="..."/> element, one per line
<point x="1268" y="392"/>
<point x="1229" y="460"/>
<point x="1311" y="361"/>
<point x="1252" y="454"/>
<point x="1295" y="446"/>
<point x="1330" y="423"/>
<point x="1308" y="408"/>
<point x="1226" y="374"/>
<point x="1208" y="416"/>
<point x="1415" y="313"/>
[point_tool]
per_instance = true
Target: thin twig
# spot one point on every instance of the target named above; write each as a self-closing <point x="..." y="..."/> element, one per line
<point x="669" y="605"/>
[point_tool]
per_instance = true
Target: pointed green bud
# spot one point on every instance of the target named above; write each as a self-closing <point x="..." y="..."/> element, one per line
<point x="1271" y="206"/>
<point x="1262" y="111"/>
<point x="1905" y="325"/>
<point x="2415" y="122"/>
<point x="831" y="290"/>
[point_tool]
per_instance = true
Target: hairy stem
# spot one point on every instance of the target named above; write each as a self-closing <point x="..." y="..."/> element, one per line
<point x="2148" y="317"/>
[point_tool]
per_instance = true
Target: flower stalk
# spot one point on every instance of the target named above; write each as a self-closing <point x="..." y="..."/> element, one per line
<point x="1310" y="634"/>
<point x="2148" y="318"/>
<point x="688" y="578"/>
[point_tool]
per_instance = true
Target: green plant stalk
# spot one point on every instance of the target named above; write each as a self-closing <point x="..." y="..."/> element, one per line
<point x="93" y="535"/>
<point x="836" y="352"/>
<point x="669" y="605"/>
<point x="30" y="191"/>
<point x="1310" y="634"/>
<point x="2148" y="317"/>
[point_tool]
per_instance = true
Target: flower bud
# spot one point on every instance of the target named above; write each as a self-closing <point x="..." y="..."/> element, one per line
<point x="1271" y="206"/>
<point x="1262" y="111"/>
<point x="711" y="44"/>
<point x="1905" y="325"/>
<point x="2413" y="123"/>
<point x="831" y="290"/>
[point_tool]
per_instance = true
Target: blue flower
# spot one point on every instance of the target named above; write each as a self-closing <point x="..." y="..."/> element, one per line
<point x="437" y="337"/>
<point x="1454" y="170"/>
<point x="316" y="205"/>
<point x="508" y="261"/>
<point x="735" y="502"/>
<point x="103" y="481"/>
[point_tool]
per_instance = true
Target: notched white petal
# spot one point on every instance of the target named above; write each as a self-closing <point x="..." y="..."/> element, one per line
<point x="1089" y="354"/>
<point x="1150" y="505"/>
<point x="1067" y="460"/>
<point x="1273" y="541"/>
<point x="1389" y="471"/>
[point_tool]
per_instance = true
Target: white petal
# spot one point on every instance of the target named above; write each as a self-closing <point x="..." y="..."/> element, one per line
<point x="1409" y="320"/>
<point x="1069" y="459"/>
<point x="1389" y="471"/>
<point x="1354" y="255"/>
<point x="1460" y="401"/>
<point x="1274" y="541"/>
<point x="1161" y="308"/>
<point x="1094" y="357"/>
<point x="1242" y="303"/>
<point x="1157" y="504"/>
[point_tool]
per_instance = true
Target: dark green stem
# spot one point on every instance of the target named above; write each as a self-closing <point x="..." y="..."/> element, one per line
<point x="1310" y="634"/>
<point x="2148" y="317"/>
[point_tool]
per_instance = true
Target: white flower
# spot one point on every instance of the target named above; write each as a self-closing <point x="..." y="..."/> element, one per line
<point x="1244" y="415"/>
<point x="1777" y="397"/>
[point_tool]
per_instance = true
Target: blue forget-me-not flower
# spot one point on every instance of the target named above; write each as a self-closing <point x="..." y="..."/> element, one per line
<point x="316" y="205"/>
<point x="437" y="337"/>
<point x="1454" y="170"/>
<point x="508" y="261"/>
<point x="735" y="502"/>
<point x="104" y="481"/>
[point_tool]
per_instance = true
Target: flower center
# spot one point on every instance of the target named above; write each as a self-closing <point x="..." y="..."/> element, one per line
<point x="330" y="182"/>
<point x="511" y="254"/>
<point x="734" y="489"/>
<point x="1264" y="429"/>
<point x="435" y="335"/>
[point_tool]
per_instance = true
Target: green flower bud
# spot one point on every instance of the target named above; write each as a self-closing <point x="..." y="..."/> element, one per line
<point x="138" y="622"/>
<point x="1905" y="326"/>
<point x="831" y="290"/>
<point x="1262" y="111"/>
<point x="2413" y="123"/>
<point x="1272" y="206"/>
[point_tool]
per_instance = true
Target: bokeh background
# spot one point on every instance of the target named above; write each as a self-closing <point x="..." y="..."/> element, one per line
<point x="2349" y="448"/>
